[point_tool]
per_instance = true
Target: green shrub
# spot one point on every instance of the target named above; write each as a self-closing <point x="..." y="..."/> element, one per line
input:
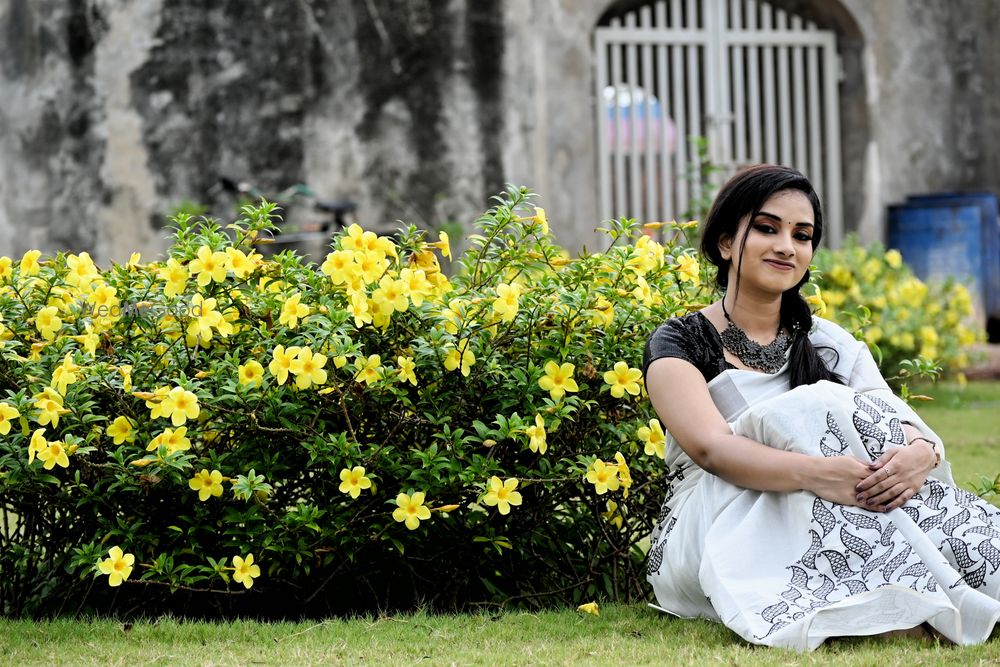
<point x="371" y="433"/>
<point x="873" y="292"/>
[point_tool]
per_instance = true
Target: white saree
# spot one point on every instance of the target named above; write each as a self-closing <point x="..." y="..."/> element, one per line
<point x="790" y="569"/>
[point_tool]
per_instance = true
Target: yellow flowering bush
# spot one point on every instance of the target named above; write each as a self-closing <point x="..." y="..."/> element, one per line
<point x="364" y="434"/>
<point x="871" y="291"/>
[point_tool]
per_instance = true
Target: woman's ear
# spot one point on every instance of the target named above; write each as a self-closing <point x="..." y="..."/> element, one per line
<point x="726" y="247"/>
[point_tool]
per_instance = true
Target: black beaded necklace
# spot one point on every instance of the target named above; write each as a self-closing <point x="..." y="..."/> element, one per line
<point x="767" y="358"/>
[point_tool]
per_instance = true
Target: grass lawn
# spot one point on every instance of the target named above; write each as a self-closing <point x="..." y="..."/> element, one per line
<point x="967" y="419"/>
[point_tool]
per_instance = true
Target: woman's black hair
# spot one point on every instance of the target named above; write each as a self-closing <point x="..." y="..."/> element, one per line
<point x="742" y="196"/>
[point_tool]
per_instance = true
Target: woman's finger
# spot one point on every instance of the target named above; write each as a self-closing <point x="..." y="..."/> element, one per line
<point x="903" y="498"/>
<point x="875" y="483"/>
<point x="885" y="458"/>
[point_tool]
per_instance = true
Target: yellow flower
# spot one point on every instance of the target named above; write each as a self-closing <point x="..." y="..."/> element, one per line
<point x="506" y="303"/>
<point x="359" y="309"/>
<point x="603" y="312"/>
<point x="406" y="366"/>
<point x="251" y="373"/>
<point x="539" y="218"/>
<point x="154" y="401"/>
<point x="688" y="270"/>
<point x="7" y="412"/>
<point x="88" y="341"/>
<point x="118" y="566"/>
<point x="427" y="262"/>
<point x="928" y="335"/>
<point x="6" y="270"/>
<point x="604" y="477"/>
<point x="179" y="405"/>
<point x="613" y="515"/>
<point x="48" y="322"/>
<point x="841" y="275"/>
<point x="415" y="285"/>
<point x="352" y="481"/>
<point x="590" y="608"/>
<point x="281" y="362"/>
<point x="126" y="372"/>
<point x="369" y="370"/>
<point x="643" y="292"/>
<point x="201" y="325"/>
<point x="536" y="436"/>
<point x="121" y="430"/>
<point x="623" y="379"/>
<point x="175" y="276"/>
<point x="390" y="295"/>
<point x="816" y="301"/>
<point x="308" y="368"/>
<point x="338" y="266"/>
<point x="502" y="494"/>
<point x="54" y="454"/>
<point x="443" y="244"/>
<point x="239" y="263"/>
<point x="50" y="407"/>
<point x="82" y="271"/>
<point x="411" y="510"/>
<point x="174" y="441"/>
<point x="64" y="374"/>
<point x="460" y="356"/>
<point x="206" y="483"/>
<point x="371" y="265"/>
<point x="654" y="438"/>
<point x="358" y="240"/>
<point x="558" y="379"/>
<point x="37" y="444"/>
<point x="209" y="266"/>
<point x="624" y="474"/>
<point x="292" y="310"/>
<point x="29" y="263"/>
<point x="244" y="571"/>
<point x="893" y="259"/>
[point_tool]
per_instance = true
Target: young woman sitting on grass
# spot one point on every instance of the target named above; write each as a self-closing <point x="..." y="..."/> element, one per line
<point x="804" y="499"/>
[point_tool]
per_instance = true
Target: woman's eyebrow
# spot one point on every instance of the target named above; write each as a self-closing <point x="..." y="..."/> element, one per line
<point x="776" y="218"/>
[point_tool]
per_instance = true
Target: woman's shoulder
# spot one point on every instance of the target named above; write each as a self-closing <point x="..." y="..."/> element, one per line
<point x="690" y="337"/>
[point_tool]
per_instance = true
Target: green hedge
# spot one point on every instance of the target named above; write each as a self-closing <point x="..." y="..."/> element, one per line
<point x="372" y="433"/>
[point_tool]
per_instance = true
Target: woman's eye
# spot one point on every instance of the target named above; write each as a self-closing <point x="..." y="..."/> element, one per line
<point x="766" y="229"/>
<point x="803" y="237"/>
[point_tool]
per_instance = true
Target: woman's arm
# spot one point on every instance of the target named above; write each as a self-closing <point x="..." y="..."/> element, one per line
<point x="681" y="398"/>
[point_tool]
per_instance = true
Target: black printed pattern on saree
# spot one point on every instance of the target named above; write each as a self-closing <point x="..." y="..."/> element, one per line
<point x="853" y="550"/>
<point x="664" y="523"/>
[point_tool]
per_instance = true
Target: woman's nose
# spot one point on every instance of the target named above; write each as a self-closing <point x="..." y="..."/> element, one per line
<point x="783" y="244"/>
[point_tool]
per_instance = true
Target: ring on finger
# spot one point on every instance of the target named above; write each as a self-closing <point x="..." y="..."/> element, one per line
<point x="887" y="473"/>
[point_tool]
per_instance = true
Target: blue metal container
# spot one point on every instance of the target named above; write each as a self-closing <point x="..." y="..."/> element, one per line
<point x="941" y="241"/>
<point x="989" y="237"/>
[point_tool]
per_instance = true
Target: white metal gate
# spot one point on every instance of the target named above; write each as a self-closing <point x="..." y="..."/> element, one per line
<point x="758" y="83"/>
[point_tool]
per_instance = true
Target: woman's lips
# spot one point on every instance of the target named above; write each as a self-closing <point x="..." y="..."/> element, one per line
<point x="781" y="266"/>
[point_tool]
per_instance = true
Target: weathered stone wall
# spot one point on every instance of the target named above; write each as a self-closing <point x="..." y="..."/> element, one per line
<point x="114" y="111"/>
<point x="118" y="110"/>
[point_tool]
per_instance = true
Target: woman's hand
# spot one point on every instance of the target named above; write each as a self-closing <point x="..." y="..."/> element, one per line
<point x="837" y="478"/>
<point x="895" y="476"/>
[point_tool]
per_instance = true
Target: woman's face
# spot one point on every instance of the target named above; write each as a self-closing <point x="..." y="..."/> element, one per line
<point x="778" y="246"/>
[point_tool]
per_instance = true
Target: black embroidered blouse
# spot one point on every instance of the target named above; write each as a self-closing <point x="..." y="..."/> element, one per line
<point x="692" y="338"/>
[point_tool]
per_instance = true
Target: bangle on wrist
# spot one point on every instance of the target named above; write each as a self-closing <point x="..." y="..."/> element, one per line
<point x="934" y="448"/>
